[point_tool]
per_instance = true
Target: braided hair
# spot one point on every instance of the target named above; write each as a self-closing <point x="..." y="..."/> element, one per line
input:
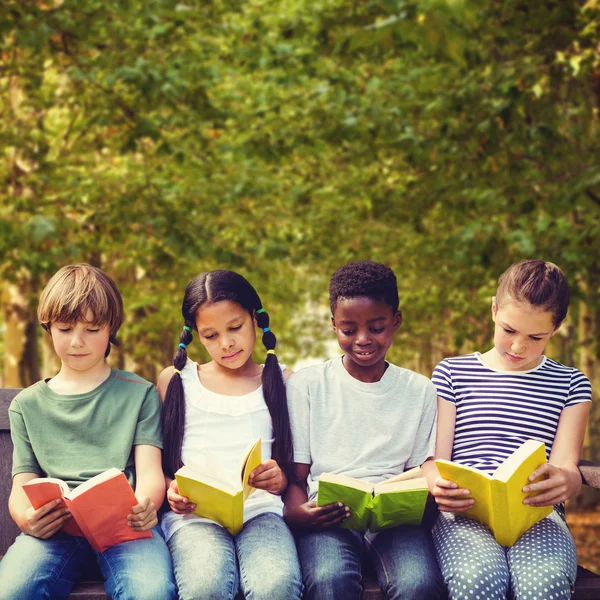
<point x="208" y="288"/>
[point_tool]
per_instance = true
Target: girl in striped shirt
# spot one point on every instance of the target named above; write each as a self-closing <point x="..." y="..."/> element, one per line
<point x="488" y="405"/>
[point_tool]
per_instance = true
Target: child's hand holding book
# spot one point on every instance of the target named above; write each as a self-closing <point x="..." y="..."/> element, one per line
<point x="449" y="497"/>
<point x="560" y="484"/>
<point x="310" y="516"/>
<point x="268" y="476"/>
<point x="143" y="515"/>
<point x="179" y="504"/>
<point x="44" y="522"/>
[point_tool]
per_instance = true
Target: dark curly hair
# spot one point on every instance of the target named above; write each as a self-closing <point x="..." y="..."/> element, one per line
<point x="364" y="279"/>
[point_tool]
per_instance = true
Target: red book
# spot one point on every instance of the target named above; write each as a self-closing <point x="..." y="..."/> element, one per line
<point x="99" y="507"/>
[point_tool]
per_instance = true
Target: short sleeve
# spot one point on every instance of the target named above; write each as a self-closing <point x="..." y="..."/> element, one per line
<point x="442" y="380"/>
<point x="298" y="397"/>
<point x="424" y="445"/>
<point x="580" y="389"/>
<point x="148" y="430"/>
<point x="24" y="459"/>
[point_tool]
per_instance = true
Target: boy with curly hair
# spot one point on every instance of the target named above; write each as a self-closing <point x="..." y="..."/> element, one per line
<point x="360" y="416"/>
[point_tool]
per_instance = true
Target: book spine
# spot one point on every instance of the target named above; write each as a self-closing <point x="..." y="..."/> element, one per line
<point x="89" y="536"/>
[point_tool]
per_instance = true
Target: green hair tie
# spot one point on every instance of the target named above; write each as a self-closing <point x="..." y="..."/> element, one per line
<point x="187" y="328"/>
<point x="260" y="310"/>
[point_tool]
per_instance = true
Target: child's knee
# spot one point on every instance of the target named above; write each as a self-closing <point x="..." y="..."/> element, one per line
<point x="146" y="589"/>
<point x="550" y="579"/>
<point x="477" y="581"/>
<point x="332" y="583"/>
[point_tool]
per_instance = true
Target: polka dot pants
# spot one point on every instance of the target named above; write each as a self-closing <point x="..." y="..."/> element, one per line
<point x="541" y="565"/>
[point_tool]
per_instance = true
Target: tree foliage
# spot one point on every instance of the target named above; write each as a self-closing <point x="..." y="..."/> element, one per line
<point x="159" y="139"/>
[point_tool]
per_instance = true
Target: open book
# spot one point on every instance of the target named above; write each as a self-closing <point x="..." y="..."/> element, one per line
<point x="399" y="500"/>
<point x="499" y="497"/>
<point x="218" y="493"/>
<point x="99" y="507"/>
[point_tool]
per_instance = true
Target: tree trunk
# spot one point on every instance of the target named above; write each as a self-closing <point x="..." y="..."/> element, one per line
<point x="21" y="364"/>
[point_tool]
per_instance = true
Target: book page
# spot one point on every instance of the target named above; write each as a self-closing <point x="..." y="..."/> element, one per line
<point x="42" y="490"/>
<point x="252" y="460"/>
<point x="208" y="467"/>
<point x="93" y="481"/>
<point x="505" y="471"/>
<point x="188" y="479"/>
<point x="413" y="473"/>
<point x="349" y="482"/>
<point x="385" y="487"/>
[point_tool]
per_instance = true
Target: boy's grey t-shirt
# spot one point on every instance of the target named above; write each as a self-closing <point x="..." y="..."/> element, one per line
<point x="370" y="431"/>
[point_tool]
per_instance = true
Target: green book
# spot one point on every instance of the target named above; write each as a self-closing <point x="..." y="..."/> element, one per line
<point x="399" y="500"/>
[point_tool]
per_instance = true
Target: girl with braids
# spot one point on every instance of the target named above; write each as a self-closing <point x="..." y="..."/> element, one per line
<point x="223" y="405"/>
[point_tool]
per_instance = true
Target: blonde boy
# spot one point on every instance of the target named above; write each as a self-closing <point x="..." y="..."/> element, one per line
<point x="73" y="426"/>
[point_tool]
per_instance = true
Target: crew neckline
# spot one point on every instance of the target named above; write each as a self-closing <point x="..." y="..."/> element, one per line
<point x="75" y="397"/>
<point x="507" y="371"/>
<point x="373" y="387"/>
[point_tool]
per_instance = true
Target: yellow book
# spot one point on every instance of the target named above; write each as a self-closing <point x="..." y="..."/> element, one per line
<point x="399" y="500"/>
<point x="218" y="493"/>
<point x="499" y="497"/>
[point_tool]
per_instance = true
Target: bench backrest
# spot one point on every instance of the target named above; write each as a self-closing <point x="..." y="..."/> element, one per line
<point x="8" y="529"/>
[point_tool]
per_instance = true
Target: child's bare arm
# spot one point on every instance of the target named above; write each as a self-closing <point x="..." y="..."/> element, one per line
<point x="449" y="497"/>
<point x="300" y="512"/>
<point x="42" y="523"/>
<point x="563" y="477"/>
<point x="150" y="487"/>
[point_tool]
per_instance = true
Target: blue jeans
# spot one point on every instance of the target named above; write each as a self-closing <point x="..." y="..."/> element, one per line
<point x="206" y="558"/>
<point x="36" y="569"/>
<point x="403" y="558"/>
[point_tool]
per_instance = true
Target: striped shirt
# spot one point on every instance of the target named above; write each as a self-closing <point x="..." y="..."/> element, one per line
<point x="496" y="411"/>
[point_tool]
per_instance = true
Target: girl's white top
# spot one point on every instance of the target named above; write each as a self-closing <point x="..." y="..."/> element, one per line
<point x="225" y="425"/>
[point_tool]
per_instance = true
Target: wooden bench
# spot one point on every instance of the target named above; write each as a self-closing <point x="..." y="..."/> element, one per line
<point x="587" y="587"/>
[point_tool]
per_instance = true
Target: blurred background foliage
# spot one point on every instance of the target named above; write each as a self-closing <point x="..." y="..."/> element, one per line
<point x="283" y="138"/>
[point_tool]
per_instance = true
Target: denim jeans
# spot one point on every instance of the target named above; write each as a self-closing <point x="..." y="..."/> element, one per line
<point x="36" y="569"/>
<point x="403" y="558"/>
<point x="261" y="560"/>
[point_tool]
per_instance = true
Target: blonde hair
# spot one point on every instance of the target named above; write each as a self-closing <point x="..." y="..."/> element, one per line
<point x="76" y="289"/>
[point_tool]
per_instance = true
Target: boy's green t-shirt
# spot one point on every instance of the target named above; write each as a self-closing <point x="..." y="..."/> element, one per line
<point x="77" y="436"/>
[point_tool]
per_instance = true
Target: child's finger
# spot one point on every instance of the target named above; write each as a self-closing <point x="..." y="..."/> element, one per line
<point x="553" y="496"/>
<point x="445" y="483"/>
<point x="47" y="508"/>
<point x="174" y="497"/>
<point x="258" y="470"/>
<point x="140" y="511"/>
<point x="546" y="484"/>
<point x="142" y="506"/>
<point x="264" y="475"/>
<point x="182" y="507"/>
<point x="451" y="493"/>
<point x="49" y="529"/>
<point x="50" y="518"/>
<point x="450" y="505"/>
<point x="544" y="469"/>
<point x="334" y="519"/>
<point x="328" y="508"/>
